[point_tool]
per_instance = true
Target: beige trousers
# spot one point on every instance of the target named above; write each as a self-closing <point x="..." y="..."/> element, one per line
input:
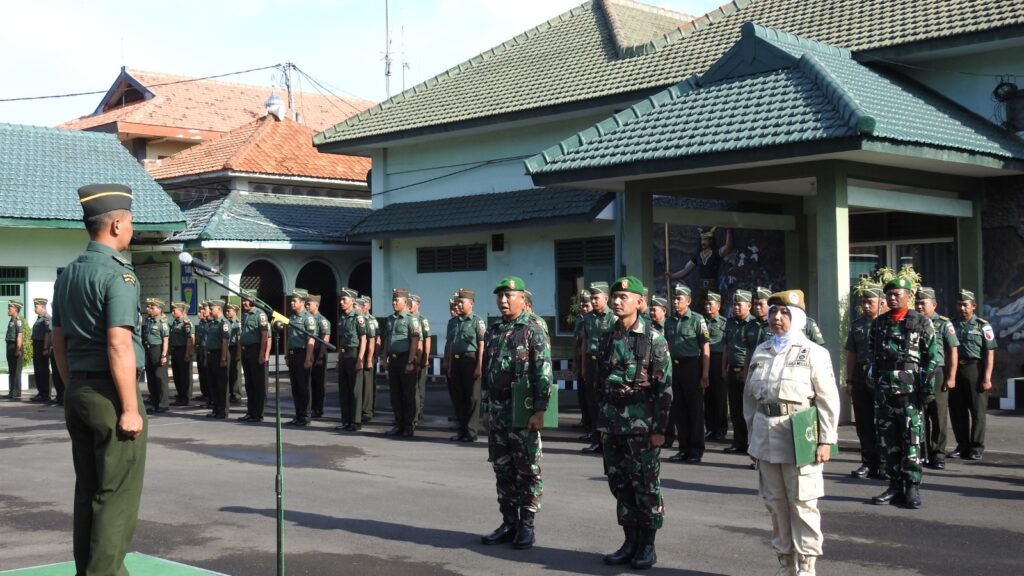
<point x="792" y="500"/>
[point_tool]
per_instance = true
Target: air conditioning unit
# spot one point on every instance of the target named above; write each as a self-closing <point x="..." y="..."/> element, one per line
<point x="211" y="257"/>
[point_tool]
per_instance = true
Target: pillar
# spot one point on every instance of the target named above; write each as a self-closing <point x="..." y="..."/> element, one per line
<point x="635" y="235"/>
<point x="968" y="245"/>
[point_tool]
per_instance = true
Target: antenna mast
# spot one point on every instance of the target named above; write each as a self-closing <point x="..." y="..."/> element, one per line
<point x="387" y="50"/>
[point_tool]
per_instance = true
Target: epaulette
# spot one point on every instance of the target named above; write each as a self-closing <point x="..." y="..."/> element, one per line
<point x="941" y="317"/>
<point x="123" y="261"/>
<point x="981" y="320"/>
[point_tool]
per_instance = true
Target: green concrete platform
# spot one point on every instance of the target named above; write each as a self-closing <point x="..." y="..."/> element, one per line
<point x="137" y="564"/>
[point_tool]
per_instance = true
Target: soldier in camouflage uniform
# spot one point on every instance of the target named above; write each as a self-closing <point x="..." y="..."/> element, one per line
<point x="517" y="353"/>
<point x="903" y="351"/>
<point x="635" y="401"/>
<point x="861" y="388"/>
<point x="937" y="412"/>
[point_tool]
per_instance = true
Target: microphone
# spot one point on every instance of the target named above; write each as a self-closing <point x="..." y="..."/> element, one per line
<point x="189" y="260"/>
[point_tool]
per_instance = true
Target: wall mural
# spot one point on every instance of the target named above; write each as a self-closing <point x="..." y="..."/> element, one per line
<point x="1003" y="227"/>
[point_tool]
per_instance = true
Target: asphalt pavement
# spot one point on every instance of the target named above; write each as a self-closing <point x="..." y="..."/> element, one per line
<point x="366" y="504"/>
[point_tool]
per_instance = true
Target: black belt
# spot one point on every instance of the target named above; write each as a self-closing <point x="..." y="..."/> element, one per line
<point x="684" y="359"/>
<point x="470" y="355"/>
<point x="778" y="409"/>
<point x="968" y="361"/>
<point x="91" y="375"/>
<point x="737" y="369"/>
<point x="296" y="350"/>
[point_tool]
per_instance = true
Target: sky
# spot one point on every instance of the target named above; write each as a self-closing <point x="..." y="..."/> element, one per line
<point x="71" y="46"/>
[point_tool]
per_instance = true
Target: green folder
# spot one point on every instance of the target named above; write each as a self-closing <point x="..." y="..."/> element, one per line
<point x="805" y="436"/>
<point x="522" y="406"/>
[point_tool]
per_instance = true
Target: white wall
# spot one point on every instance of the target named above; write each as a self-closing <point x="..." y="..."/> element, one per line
<point x="42" y="251"/>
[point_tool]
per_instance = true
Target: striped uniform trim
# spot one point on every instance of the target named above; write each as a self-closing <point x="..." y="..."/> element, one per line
<point x="102" y="194"/>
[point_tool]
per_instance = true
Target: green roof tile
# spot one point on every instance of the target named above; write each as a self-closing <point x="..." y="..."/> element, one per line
<point x="273" y="218"/>
<point x="581" y="55"/>
<point x="534" y="207"/>
<point x="41" y="170"/>
<point x="808" y="93"/>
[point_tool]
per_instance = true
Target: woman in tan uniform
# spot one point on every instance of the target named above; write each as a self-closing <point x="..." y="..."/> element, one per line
<point x="789" y="373"/>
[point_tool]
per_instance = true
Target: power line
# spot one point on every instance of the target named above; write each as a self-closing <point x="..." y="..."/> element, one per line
<point x="476" y="166"/>
<point x="318" y="86"/>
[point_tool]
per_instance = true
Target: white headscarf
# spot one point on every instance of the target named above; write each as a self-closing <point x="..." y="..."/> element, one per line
<point x="798" y="321"/>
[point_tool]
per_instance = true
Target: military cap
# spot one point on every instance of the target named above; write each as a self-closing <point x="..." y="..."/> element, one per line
<point x="584" y="295"/>
<point x="299" y="293"/>
<point x="216" y="303"/>
<point x="762" y="293"/>
<point x="967" y="296"/>
<point x="248" y="295"/>
<point x="529" y="295"/>
<point x="367" y="298"/>
<point x="681" y="290"/>
<point x="399" y="293"/>
<point x="646" y="292"/>
<point x="350" y="293"/>
<point x="414" y="298"/>
<point x="899" y="282"/>
<point x="16" y="303"/>
<point x="629" y="284"/>
<point x="179" y="305"/>
<point x="155" y="302"/>
<point x="875" y="291"/>
<point x="40" y="301"/>
<point x="231" y="306"/>
<point x="102" y="198"/>
<point x="361" y="301"/>
<point x="314" y="298"/>
<point x="466" y="293"/>
<point x="659" y="301"/>
<point x="713" y="297"/>
<point x="787" y="298"/>
<point x="453" y="298"/>
<point x="741" y="296"/>
<point x="511" y="284"/>
<point x="925" y="293"/>
<point x="598" y="288"/>
<point x="204" y="304"/>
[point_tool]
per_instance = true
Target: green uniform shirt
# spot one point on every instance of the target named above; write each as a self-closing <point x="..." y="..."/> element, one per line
<point x="181" y="331"/>
<point x="41" y="328"/>
<point x="234" y="331"/>
<point x="96" y="292"/>
<point x="351" y="327"/>
<point x="155" y="330"/>
<point x="15" y="326"/>
<point x="323" y="329"/>
<point x="304" y="320"/>
<point x="857" y="339"/>
<point x="254" y="324"/>
<point x="398" y="329"/>
<point x="216" y="331"/>
<point x="686" y="334"/>
<point x="716" y="333"/>
<point x="734" y="339"/>
<point x="595" y="324"/>
<point x="516" y="353"/>
<point x="813" y="332"/>
<point x="201" y="329"/>
<point x="757" y="333"/>
<point x="372" y="328"/>
<point x="975" y="335"/>
<point x="465" y="333"/>
<point x="634" y="383"/>
<point x="946" y="333"/>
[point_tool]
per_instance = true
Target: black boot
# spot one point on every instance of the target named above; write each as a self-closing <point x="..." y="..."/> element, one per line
<point x="912" y="495"/>
<point x="893" y="493"/>
<point x="524" y="530"/>
<point x="645" y="556"/>
<point x="625" y="552"/>
<point x="504" y="533"/>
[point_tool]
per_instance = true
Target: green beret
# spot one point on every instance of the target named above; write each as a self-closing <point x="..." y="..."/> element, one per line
<point x="629" y="284"/>
<point x="875" y="291"/>
<point x="713" y="297"/>
<point x="598" y="288"/>
<point x="102" y="198"/>
<point x="16" y="303"/>
<point x="510" y="283"/>
<point x="899" y="282"/>
<point x="762" y="293"/>
<point x="680" y="290"/>
<point x="967" y="296"/>
<point x="741" y="296"/>
<point x="925" y="293"/>
<point x="399" y="293"/>
<point x="787" y="298"/>
<point x="659" y="301"/>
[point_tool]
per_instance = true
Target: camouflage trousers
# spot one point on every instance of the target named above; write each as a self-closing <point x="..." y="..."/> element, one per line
<point x="633" y="470"/>
<point x="515" y="455"/>
<point x="898" y="424"/>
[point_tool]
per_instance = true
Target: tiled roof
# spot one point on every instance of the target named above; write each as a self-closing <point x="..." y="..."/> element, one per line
<point x="776" y="89"/>
<point x="252" y="217"/>
<point x="533" y="207"/>
<point x="189" y="103"/>
<point x="264" y="146"/>
<point x="41" y="170"/>
<point x="575" y="57"/>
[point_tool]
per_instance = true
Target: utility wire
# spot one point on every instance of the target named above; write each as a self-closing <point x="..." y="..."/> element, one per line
<point x="318" y="86"/>
<point x="450" y="174"/>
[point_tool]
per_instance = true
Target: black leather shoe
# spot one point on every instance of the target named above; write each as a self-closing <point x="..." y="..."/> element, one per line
<point x="882" y="474"/>
<point x="956" y="453"/>
<point x="243" y="418"/>
<point x="584" y="437"/>
<point x="408" y="433"/>
<point x="524" y="531"/>
<point x="594" y="448"/>
<point x="861" y="472"/>
<point x="456" y="437"/>
<point x="150" y="410"/>
<point x="255" y="419"/>
<point x="734" y="449"/>
<point x="709" y="435"/>
<point x="625" y="552"/>
<point x="468" y="438"/>
<point x="38" y="398"/>
<point x="937" y="463"/>
<point x="235" y="400"/>
<point x="912" y="498"/>
<point x="891" y="495"/>
<point x="677" y="457"/>
<point x="220" y="416"/>
<point x="504" y="533"/>
<point x="395" y="431"/>
<point x="974" y="454"/>
<point x="645" y="556"/>
<point x="692" y="459"/>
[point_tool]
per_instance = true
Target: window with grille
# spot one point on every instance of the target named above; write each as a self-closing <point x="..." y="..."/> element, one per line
<point x="580" y="262"/>
<point x="471" y="258"/>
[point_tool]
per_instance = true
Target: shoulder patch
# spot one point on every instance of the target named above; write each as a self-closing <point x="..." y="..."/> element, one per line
<point x="128" y="278"/>
<point x="360" y="321"/>
<point x="225" y="327"/>
<point x="950" y="329"/>
<point x="987" y="332"/>
<point x="263" y="319"/>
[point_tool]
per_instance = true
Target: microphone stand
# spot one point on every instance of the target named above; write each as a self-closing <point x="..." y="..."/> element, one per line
<point x="280" y="323"/>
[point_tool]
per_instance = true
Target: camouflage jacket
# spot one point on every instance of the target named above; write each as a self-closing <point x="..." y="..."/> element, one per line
<point x="634" y="386"/>
<point x="516" y="353"/>
<point x="903" y="354"/>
